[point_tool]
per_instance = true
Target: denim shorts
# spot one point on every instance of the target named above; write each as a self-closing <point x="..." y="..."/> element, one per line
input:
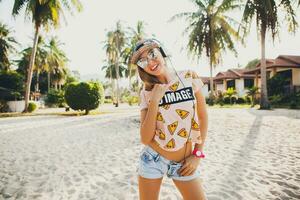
<point x="152" y="166"/>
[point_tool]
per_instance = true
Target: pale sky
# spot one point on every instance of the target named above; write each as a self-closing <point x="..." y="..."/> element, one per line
<point x="84" y="33"/>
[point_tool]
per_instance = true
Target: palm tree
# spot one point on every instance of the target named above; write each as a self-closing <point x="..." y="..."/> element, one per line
<point x="210" y="29"/>
<point x="7" y="46"/>
<point x="111" y="73"/>
<point x="43" y="14"/>
<point x="252" y="92"/>
<point x="230" y="93"/>
<point x="114" y="46"/>
<point x="136" y="35"/>
<point x="266" y="17"/>
<point x="56" y="62"/>
<point x="40" y="64"/>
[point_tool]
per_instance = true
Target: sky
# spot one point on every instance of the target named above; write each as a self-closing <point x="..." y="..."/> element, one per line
<point x="84" y="33"/>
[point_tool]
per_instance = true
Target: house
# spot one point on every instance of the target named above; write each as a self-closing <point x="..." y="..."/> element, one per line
<point x="237" y="79"/>
<point x="286" y="65"/>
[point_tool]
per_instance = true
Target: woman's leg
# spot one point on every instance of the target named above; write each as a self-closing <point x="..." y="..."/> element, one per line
<point x="190" y="190"/>
<point x="149" y="188"/>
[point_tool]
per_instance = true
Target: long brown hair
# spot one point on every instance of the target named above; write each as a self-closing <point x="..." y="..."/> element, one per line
<point x="148" y="79"/>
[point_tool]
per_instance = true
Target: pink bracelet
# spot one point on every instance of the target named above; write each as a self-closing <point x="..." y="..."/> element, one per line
<point x="198" y="153"/>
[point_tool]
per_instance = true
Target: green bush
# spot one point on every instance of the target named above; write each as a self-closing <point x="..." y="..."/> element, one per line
<point x="132" y="100"/>
<point x="11" y="85"/>
<point x="275" y="85"/>
<point x="107" y="100"/>
<point x="275" y="99"/>
<point x="230" y="95"/>
<point x="84" y="96"/>
<point x="226" y="100"/>
<point x="220" y="98"/>
<point x="295" y="100"/>
<point x="247" y="99"/>
<point x="240" y="100"/>
<point x="31" y="107"/>
<point x="55" y="98"/>
<point x="3" y="106"/>
<point x="211" y="99"/>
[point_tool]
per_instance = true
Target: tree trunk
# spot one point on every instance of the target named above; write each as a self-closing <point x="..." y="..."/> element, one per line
<point x="37" y="81"/>
<point x="211" y="81"/>
<point x="264" y="102"/>
<point x="118" y="76"/>
<point x="48" y="81"/>
<point x="30" y="68"/>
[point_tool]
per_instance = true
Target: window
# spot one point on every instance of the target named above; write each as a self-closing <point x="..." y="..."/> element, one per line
<point x="230" y="84"/>
<point x="248" y="83"/>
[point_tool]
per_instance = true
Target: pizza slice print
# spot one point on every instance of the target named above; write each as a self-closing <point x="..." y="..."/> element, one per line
<point x="166" y="107"/>
<point x="172" y="127"/>
<point x="188" y="74"/>
<point x="160" y="134"/>
<point x="170" y="144"/>
<point x="182" y="113"/>
<point x="183" y="133"/>
<point x="160" y="117"/>
<point x="174" y="86"/>
<point x="195" y="126"/>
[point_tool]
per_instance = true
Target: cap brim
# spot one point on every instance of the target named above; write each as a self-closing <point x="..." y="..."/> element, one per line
<point x="136" y="54"/>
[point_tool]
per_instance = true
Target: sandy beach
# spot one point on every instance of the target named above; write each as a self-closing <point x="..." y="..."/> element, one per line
<point x="251" y="155"/>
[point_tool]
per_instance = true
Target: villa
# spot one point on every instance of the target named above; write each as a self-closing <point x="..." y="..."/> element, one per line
<point x="234" y="78"/>
<point x="286" y="65"/>
<point x="241" y="79"/>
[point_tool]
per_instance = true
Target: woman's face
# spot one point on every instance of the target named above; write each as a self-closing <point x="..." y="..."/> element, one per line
<point x="156" y="64"/>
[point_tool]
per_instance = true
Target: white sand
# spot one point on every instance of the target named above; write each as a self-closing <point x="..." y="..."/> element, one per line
<point x="251" y="154"/>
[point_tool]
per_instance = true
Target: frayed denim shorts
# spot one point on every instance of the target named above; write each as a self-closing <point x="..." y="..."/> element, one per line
<point x="152" y="166"/>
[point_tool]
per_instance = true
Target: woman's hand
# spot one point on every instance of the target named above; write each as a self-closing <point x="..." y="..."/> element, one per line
<point x="158" y="92"/>
<point x="189" y="166"/>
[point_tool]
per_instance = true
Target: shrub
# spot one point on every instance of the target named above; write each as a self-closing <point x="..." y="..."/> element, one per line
<point x="247" y="99"/>
<point x="294" y="100"/>
<point x="31" y="107"/>
<point x="275" y="99"/>
<point x="55" y="98"/>
<point x="231" y="95"/>
<point x="233" y="99"/>
<point x="211" y="99"/>
<point x="3" y="106"/>
<point x="11" y="85"/>
<point x="132" y="100"/>
<point x="219" y="98"/>
<point x="84" y="96"/>
<point x="275" y="85"/>
<point x="107" y="100"/>
<point x="226" y="100"/>
<point x="240" y="100"/>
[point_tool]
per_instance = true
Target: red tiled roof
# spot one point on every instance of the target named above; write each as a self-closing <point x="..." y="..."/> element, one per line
<point x="233" y="74"/>
<point x="205" y="79"/>
<point x="283" y="61"/>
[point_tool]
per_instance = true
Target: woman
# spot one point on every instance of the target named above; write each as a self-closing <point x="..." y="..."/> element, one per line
<point x="172" y="107"/>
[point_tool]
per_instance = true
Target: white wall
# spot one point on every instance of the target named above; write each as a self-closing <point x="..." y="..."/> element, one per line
<point x="239" y="86"/>
<point x="296" y="77"/>
<point x="16" y="106"/>
<point x="220" y="87"/>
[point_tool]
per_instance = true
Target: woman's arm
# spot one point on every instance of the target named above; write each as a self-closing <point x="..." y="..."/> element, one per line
<point x="148" y="116"/>
<point x="202" y="116"/>
<point x="148" y="122"/>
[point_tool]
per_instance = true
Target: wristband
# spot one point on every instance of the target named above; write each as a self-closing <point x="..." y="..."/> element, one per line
<point x="198" y="153"/>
